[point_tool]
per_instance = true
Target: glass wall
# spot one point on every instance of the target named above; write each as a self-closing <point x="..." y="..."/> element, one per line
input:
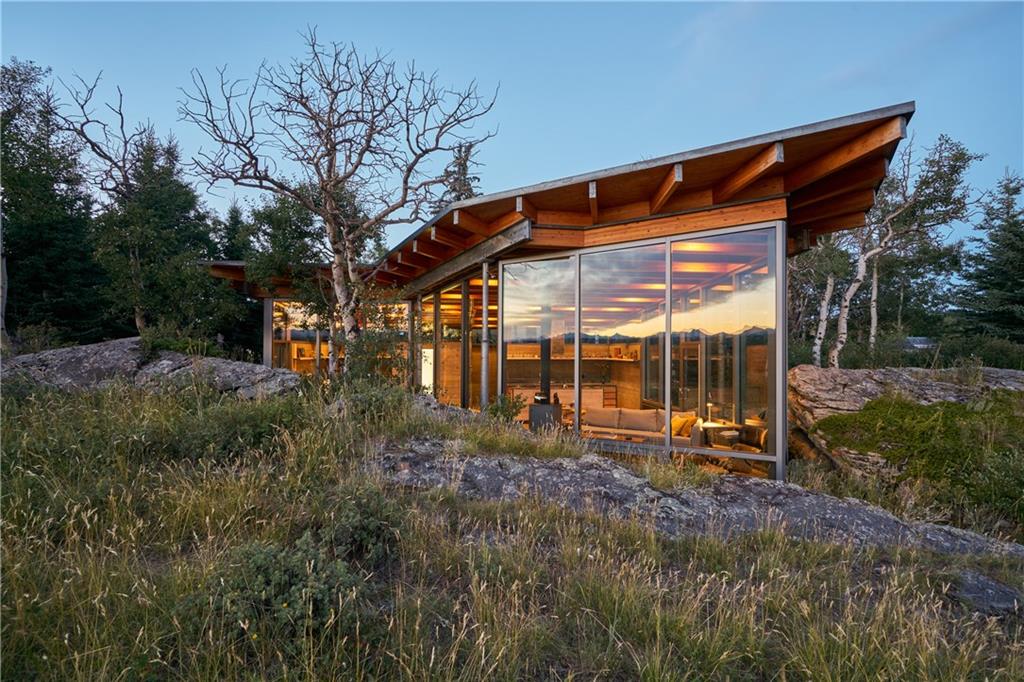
<point x="538" y="338"/>
<point x="476" y="333"/>
<point x="296" y="339"/>
<point x="622" y="323"/>
<point x="723" y="334"/>
<point x="449" y="356"/>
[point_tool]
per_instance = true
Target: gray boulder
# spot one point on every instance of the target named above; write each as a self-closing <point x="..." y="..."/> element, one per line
<point x="727" y="506"/>
<point x="99" y="364"/>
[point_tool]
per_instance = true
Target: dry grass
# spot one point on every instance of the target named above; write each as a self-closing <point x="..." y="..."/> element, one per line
<point x="120" y="508"/>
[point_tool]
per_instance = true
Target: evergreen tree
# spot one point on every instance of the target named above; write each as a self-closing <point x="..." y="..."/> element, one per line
<point x="994" y="297"/>
<point x="151" y="240"/>
<point x="234" y="233"/>
<point x="52" y="280"/>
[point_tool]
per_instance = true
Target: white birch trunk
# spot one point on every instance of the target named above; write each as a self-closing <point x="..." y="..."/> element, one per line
<point x="819" y="336"/>
<point x="842" y="323"/>
<point x="873" y="333"/>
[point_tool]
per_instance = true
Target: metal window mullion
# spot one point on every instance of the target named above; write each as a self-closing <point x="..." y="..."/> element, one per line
<point x="779" y="377"/>
<point x="577" y="389"/>
<point x="667" y="354"/>
<point x="501" y="331"/>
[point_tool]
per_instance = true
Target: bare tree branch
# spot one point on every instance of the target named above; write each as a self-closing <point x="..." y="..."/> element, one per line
<point x="342" y="124"/>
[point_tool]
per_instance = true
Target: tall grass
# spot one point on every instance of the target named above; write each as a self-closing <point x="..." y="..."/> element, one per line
<point x="189" y="535"/>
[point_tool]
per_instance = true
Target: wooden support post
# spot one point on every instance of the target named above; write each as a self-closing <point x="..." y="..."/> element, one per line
<point x="268" y="331"/>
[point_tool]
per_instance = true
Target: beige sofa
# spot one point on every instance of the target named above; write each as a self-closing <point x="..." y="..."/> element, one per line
<point x="623" y="423"/>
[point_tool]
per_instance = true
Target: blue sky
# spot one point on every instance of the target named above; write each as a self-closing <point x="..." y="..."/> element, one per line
<point x="585" y="86"/>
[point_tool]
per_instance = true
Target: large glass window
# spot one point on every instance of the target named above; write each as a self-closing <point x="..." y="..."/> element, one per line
<point x="723" y="326"/>
<point x="449" y="356"/>
<point x="297" y="342"/>
<point x="622" y="322"/>
<point x="538" y="338"/>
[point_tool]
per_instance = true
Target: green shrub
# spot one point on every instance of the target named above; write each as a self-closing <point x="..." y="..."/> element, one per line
<point x="506" y="408"/>
<point x="166" y="337"/>
<point x="365" y="526"/>
<point x="290" y="598"/>
<point x="373" y="403"/>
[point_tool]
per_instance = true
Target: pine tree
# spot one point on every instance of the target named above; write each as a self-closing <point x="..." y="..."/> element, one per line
<point x="233" y="237"/>
<point x="994" y="297"/>
<point x="151" y="240"/>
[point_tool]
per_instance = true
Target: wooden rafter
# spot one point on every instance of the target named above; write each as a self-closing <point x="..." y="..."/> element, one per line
<point x="430" y="249"/>
<point x="673" y="179"/>
<point x="464" y="220"/>
<point x="861" y="176"/>
<point x="851" y="202"/>
<point x="440" y="236"/>
<point x="871" y="142"/>
<point x="413" y="259"/>
<point x="768" y="159"/>
<point x="525" y="209"/>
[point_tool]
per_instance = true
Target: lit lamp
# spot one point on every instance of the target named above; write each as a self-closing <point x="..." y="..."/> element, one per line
<point x="710" y="406"/>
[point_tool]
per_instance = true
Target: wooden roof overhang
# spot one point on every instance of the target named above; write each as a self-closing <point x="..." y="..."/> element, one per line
<point x="820" y="178"/>
<point x="234" y="272"/>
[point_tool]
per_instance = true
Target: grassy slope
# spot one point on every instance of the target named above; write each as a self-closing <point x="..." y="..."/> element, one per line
<point x="963" y="464"/>
<point x="124" y="515"/>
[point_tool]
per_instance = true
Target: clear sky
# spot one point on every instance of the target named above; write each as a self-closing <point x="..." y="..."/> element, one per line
<point x="586" y="86"/>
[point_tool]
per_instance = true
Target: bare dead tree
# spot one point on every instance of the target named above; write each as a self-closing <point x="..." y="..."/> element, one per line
<point x="341" y="123"/>
<point x="114" y="152"/>
<point x="113" y="147"/>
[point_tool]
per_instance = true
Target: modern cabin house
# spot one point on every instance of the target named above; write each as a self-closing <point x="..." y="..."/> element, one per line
<point x="643" y="306"/>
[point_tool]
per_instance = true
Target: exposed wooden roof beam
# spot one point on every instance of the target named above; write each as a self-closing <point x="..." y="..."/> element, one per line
<point x="851" y="202"/>
<point x="525" y="209"/>
<point x="465" y="220"/>
<point x="893" y="130"/>
<point x="401" y="269"/>
<point x="861" y="176"/>
<point x="447" y="238"/>
<point x="592" y="196"/>
<point x="505" y="221"/>
<point x="430" y="249"/>
<point x="770" y="158"/>
<point x="673" y="179"/>
<point x="414" y="259"/>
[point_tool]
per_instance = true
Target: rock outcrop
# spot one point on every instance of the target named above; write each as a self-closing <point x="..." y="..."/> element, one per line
<point x="99" y="364"/>
<point x="727" y="506"/>
<point x="816" y="393"/>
